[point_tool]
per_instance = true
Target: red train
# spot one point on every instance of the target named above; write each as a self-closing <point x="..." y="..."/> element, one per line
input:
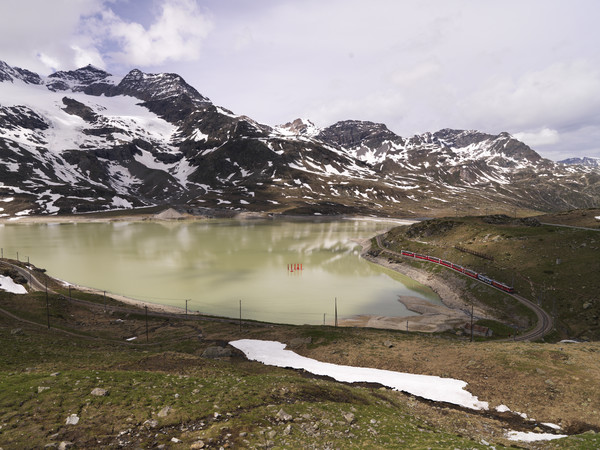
<point x="461" y="269"/>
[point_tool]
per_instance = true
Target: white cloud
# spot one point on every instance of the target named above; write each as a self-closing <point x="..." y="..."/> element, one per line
<point x="545" y="136"/>
<point x="559" y="95"/>
<point x="176" y="35"/>
<point x="39" y="34"/>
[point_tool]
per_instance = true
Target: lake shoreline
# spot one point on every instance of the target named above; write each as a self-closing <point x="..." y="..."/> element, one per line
<point x="432" y="318"/>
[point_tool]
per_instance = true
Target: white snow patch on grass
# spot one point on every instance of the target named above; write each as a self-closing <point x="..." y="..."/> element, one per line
<point x="7" y="284"/>
<point x="426" y="386"/>
<point x="530" y="436"/>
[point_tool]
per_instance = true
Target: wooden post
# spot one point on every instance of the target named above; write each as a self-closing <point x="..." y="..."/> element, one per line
<point x="104" y="301"/>
<point x="240" y="316"/>
<point x="17" y="256"/>
<point x="47" y="305"/>
<point x="146" y="307"/>
<point x="407" y="326"/>
<point x="336" y="322"/>
<point x="186" y="300"/>
<point x="69" y="292"/>
<point x="323" y="319"/>
<point x="471" y="323"/>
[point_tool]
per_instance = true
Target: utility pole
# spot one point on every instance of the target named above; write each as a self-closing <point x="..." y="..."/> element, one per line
<point x="105" y="302"/>
<point x="146" y="307"/>
<point x="471" y="323"/>
<point x="47" y="305"/>
<point x="323" y="319"/>
<point x="17" y="256"/>
<point x="69" y="292"/>
<point x="336" y="322"/>
<point x="240" y="316"/>
<point x="186" y="301"/>
<point x="2" y="252"/>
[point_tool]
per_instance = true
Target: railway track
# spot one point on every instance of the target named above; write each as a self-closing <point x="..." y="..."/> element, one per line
<point x="544" y="324"/>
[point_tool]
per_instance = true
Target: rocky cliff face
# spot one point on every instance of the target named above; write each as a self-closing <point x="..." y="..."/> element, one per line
<point x="85" y="140"/>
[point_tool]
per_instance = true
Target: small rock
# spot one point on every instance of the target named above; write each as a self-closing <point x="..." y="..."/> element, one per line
<point x="299" y="342"/>
<point x="271" y="434"/>
<point x="152" y="423"/>
<point x="16" y="332"/>
<point x="99" y="392"/>
<point x="349" y="417"/>
<point x="537" y="430"/>
<point x="165" y="411"/>
<point x="215" y="352"/>
<point x="42" y="389"/>
<point x="587" y="305"/>
<point x="64" y="445"/>
<point x="549" y="382"/>
<point x="175" y="440"/>
<point x="55" y="374"/>
<point x="197" y="445"/>
<point x="282" y="415"/>
<point x="73" y="419"/>
<point x="388" y="344"/>
<point x="287" y="429"/>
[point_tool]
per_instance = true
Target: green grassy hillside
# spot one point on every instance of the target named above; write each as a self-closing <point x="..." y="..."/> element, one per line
<point x="557" y="267"/>
<point x="163" y="389"/>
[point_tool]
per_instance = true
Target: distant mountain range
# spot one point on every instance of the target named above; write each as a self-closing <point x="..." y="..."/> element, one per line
<point x="84" y="140"/>
<point x="585" y="161"/>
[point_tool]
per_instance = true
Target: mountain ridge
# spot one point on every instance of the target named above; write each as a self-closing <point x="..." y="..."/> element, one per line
<point x="85" y="140"/>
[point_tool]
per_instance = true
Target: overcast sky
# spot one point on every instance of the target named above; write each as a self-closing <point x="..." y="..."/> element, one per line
<point x="529" y="67"/>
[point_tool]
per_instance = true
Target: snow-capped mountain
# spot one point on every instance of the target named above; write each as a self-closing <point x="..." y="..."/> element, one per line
<point x="85" y="140"/>
<point x="585" y="161"/>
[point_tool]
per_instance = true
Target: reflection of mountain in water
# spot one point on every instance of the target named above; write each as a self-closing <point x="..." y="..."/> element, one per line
<point x="215" y="264"/>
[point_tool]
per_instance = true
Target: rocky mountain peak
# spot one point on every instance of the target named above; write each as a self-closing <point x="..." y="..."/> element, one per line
<point x="8" y="73"/>
<point x="353" y="133"/>
<point x="585" y="161"/>
<point x="159" y="86"/>
<point x="300" y="127"/>
<point x="76" y="80"/>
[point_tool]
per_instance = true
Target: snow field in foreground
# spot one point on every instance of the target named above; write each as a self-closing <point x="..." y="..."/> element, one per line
<point x="426" y="386"/>
<point x="430" y="387"/>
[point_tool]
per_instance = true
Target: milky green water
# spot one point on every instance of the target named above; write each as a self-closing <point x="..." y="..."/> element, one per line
<point x="215" y="264"/>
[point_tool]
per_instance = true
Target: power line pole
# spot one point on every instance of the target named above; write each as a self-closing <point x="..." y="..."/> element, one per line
<point x="186" y="302"/>
<point x="146" y="307"/>
<point x="336" y="322"/>
<point x="471" y="323"/>
<point x="47" y="305"/>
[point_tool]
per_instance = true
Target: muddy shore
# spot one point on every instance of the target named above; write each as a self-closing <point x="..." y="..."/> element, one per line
<point x="451" y="314"/>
